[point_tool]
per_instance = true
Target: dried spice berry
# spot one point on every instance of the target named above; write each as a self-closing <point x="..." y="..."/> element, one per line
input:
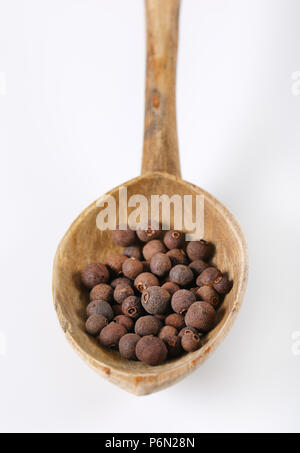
<point x="151" y="350"/>
<point x="121" y="292"/>
<point x="102" y="291"/>
<point x="198" y="266"/>
<point x="153" y="247"/>
<point x="114" y="263"/>
<point x="100" y="307"/>
<point x="177" y="256"/>
<point x="190" y="342"/>
<point x="181" y="274"/>
<point x="110" y="335"/>
<point x="133" y="251"/>
<point x="182" y="300"/>
<point x="125" y="321"/>
<point x="145" y="280"/>
<point x="147" y="325"/>
<point x="188" y="330"/>
<point x="160" y="264"/>
<point x="167" y="332"/>
<point x="127" y="345"/>
<point x="156" y="300"/>
<point x="175" y="320"/>
<point x="132" y="268"/>
<point x="171" y="287"/>
<point x="201" y="315"/>
<point x="174" y="239"/>
<point x="95" y="324"/>
<point x="93" y="274"/>
<point x="147" y="234"/>
<point x="198" y="250"/>
<point x="209" y="295"/>
<point x="124" y="237"/>
<point x="223" y="286"/>
<point x="117" y="309"/>
<point x="209" y="277"/>
<point x="120" y="281"/>
<point x="174" y="346"/>
<point x="132" y="307"/>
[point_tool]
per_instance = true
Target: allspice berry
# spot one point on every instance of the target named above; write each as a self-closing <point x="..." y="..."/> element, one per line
<point x="174" y="239"/>
<point x="188" y="330"/>
<point x="102" y="291"/>
<point x="171" y="287"/>
<point x="160" y="264"/>
<point x="181" y="274"/>
<point x="123" y="237"/>
<point x="100" y="307"/>
<point x="190" y="342"/>
<point x="121" y="292"/>
<point x="201" y="315"/>
<point x="145" y="280"/>
<point x="95" y="324"/>
<point x="198" y="266"/>
<point x="156" y="300"/>
<point x="93" y="274"/>
<point x="175" y="320"/>
<point x="148" y="234"/>
<point x="132" y="307"/>
<point x="177" y="256"/>
<point x="209" y="277"/>
<point x="147" y="325"/>
<point x="111" y="334"/>
<point x="151" y="350"/>
<point x="120" y="281"/>
<point x="167" y="332"/>
<point x="114" y="263"/>
<point x="153" y="247"/>
<point x="133" y="251"/>
<point x="173" y="346"/>
<point x="127" y="345"/>
<point x="223" y="286"/>
<point x="125" y="321"/>
<point x="209" y="295"/>
<point x="132" y="268"/>
<point x="182" y="300"/>
<point x="198" y="250"/>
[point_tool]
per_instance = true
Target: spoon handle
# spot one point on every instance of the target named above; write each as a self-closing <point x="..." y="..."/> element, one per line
<point x="160" y="152"/>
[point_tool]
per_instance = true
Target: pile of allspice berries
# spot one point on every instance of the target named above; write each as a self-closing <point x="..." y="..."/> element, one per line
<point x="157" y="299"/>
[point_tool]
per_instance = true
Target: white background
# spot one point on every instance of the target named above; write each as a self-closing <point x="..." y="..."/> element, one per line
<point x="71" y="128"/>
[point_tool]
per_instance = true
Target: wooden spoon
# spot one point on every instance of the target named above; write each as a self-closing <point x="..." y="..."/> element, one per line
<point x="84" y="243"/>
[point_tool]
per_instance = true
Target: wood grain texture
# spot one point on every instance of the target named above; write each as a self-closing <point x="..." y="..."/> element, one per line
<point x="160" y="151"/>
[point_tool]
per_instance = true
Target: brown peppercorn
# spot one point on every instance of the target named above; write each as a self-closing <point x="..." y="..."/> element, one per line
<point x="102" y="291"/>
<point x="125" y="321"/>
<point x="95" y="324"/>
<point x="171" y="287"/>
<point x="120" y="281"/>
<point x="201" y="315"/>
<point x="177" y="256"/>
<point x="174" y="239"/>
<point x="100" y="307"/>
<point x="156" y="300"/>
<point x="121" y="292"/>
<point x="198" y="250"/>
<point x="181" y="274"/>
<point x="93" y="274"/>
<point x="198" y="266"/>
<point x="174" y="346"/>
<point x="167" y="332"/>
<point x="117" y="309"/>
<point x="209" y="277"/>
<point x="145" y="280"/>
<point x="182" y="300"/>
<point x="223" y="286"/>
<point x="124" y="237"/>
<point x="151" y="350"/>
<point x="133" y="251"/>
<point x="160" y="264"/>
<point x="147" y="234"/>
<point x="132" y="268"/>
<point x="209" y="295"/>
<point x="147" y="325"/>
<point x="190" y="342"/>
<point x="132" y="307"/>
<point x="114" y="263"/>
<point x="188" y="330"/>
<point x="127" y="345"/>
<point x="110" y="335"/>
<point x="153" y="247"/>
<point x="175" y="320"/>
